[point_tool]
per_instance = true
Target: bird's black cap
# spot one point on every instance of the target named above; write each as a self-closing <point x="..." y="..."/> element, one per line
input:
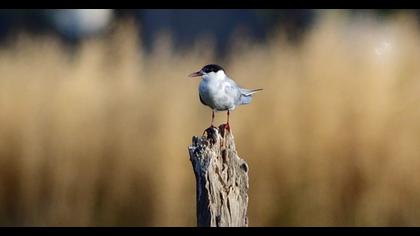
<point x="212" y="68"/>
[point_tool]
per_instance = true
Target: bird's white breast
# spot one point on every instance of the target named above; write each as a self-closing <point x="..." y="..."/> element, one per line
<point x="213" y="91"/>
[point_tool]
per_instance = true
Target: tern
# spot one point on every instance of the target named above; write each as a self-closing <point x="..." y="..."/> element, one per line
<point x="219" y="92"/>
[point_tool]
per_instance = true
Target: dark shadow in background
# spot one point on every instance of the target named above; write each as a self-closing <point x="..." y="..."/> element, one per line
<point x="185" y="26"/>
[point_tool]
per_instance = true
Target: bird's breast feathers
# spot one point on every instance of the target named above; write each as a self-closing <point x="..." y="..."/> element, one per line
<point x="219" y="95"/>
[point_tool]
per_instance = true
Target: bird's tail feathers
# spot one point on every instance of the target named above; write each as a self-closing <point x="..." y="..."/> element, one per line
<point x="248" y="92"/>
<point x="247" y="95"/>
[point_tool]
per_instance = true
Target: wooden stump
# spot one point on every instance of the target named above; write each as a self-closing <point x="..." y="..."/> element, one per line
<point x="221" y="180"/>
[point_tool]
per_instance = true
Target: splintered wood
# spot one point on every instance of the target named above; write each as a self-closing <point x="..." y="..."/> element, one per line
<point x="221" y="180"/>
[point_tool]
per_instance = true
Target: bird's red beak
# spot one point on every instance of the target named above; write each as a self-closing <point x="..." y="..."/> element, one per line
<point x="195" y="74"/>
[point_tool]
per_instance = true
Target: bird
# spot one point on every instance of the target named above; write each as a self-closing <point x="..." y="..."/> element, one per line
<point x="219" y="92"/>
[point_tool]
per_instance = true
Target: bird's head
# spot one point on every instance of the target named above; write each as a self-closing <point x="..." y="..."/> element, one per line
<point x="211" y="71"/>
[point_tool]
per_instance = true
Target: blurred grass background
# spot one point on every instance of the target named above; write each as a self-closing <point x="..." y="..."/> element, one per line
<point x="99" y="137"/>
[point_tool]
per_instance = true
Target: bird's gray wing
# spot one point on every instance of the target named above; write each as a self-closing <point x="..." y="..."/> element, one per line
<point x="231" y="87"/>
<point x="232" y="90"/>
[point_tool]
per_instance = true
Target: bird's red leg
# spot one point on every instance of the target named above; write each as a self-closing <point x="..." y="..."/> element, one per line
<point x="225" y="127"/>
<point x="227" y="124"/>
<point x="211" y="125"/>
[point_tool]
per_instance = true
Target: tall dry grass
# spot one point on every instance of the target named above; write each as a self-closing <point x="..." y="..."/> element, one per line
<point x="100" y="137"/>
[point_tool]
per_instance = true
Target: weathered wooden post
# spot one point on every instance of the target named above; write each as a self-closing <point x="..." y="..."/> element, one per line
<point x="222" y="180"/>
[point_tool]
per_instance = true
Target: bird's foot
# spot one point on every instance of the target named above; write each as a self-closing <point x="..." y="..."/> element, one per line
<point x="227" y="126"/>
<point x="223" y="128"/>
